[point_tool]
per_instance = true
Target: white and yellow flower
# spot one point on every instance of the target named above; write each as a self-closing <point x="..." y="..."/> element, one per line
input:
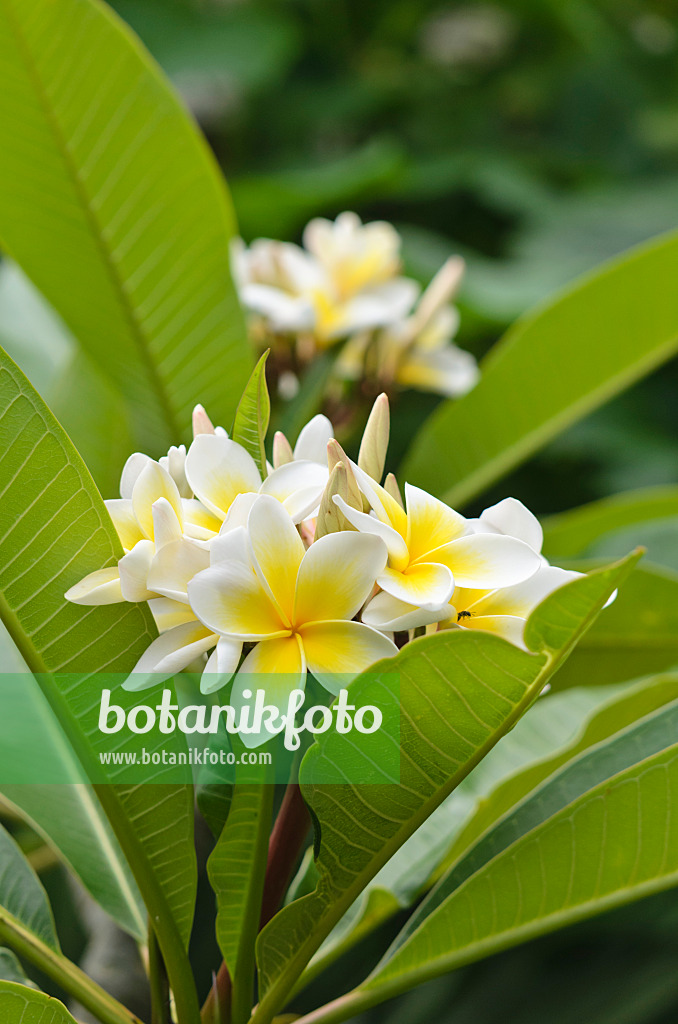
<point x="295" y="605"/>
<point x="505" y="611"/>
<point x="431" y="549"/>
<point x="417" y="351"/>
<point x="344" y="281"/>
<point x="219" y="469"/>
<point x="150" y="514"/>
<point x="311" y="444"/>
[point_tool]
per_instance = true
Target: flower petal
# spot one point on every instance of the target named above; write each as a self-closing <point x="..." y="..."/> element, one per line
<point x="100" y="587"/>
<point x="337" y="575"/>
<point x="130" y="472"/>
<point x="168" y="613"/>
<point x="385" y="612"/>
<point x="485" y="561"/>
<point x="152" y="483"/>
<point x="368" y="524"/>
<point x="312" y="442"/>
<point x="513" y="519"/>
<point x="221" y="664"/>
<point x="125" y="522"/>
<point x="430" y="523"/>
<point x="170" y="653"/>
<point x="299" y="485"/>
<point x="134" y="568"/>
<point x="199" y="522"/>
<point x="446" y="371"/>
<point x="336" y="652"/>
<point x="426" y="585"/>
<point x="509" y="627"/>
<point x="219" y="469"/>
<point x="166" y="526"/>
<point x="230" y="599"/>
<point x="523" y="598"/>
<point x="231" y="544"/>
<point x="275" y="666"/>
<point x="277" y="549"/>
<point x="174" y="566"/>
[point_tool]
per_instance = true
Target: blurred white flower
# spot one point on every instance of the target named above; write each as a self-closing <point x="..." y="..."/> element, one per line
<point x="417" y="351"/>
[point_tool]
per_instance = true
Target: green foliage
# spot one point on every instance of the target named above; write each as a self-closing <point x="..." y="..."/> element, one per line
<point x="460" y="692"/>
<point x="11" y="969"/>
<point x="49" y="496"/>
<point x="252" y="416"/>
<point x="22" y="899"/>
<point x="590" y="334"/>
<point x="573" y="844"/>
<point x="637" y="634"/>
<point x="20" y="1005"/>
<point x="134" y="252"/>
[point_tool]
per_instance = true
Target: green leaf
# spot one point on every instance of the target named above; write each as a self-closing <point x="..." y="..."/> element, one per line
<point x="601" y="832"/>
<point x="572" y="534"/>
<point x="68" y="816"/>
<point x="623" y="708"/>
<point x="554" y="731"/>
<point x="112" y="204"/>
<point x="252" y="416"/>
<point x="54" y="529"/>
<point x="637" y="635"/>
<point x="460" y="692"/>
<point x="21" y="1005"/>
<point x="553" y="367"/>
<point x="11" y="969"/>
<point x="23" y="900"/>
<point x="236" y="872"/>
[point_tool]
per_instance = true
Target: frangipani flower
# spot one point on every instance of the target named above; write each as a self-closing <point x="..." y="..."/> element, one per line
<point x="511" y="518"/>
<point x="150" y="514"/>
<point x="311" y="444"/>
<point x="295" y="605"/>
<point x="345" y="280"/>
<point x="417" y="351"/>
<point x="430" y="551"/>
<point x="218" y="470"/>
<point x="505" y="611"/>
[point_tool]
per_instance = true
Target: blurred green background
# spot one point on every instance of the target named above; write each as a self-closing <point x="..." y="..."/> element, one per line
<point x="536" y="138"/>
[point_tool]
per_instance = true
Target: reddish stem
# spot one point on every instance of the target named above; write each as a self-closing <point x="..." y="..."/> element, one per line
<point x="285" y="845"/>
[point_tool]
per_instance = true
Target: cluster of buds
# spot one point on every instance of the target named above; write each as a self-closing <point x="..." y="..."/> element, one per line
<point x="344" y="288"/>
<point x="320" y="566"/>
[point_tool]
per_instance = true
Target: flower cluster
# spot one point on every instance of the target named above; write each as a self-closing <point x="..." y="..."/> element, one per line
<point x="318" y="567"/>
<point x="344" y="286"/>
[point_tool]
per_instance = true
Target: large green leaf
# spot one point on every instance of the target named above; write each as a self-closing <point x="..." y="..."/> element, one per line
<point x="460" y="692"/>
<point x="21" y="1005"/>
<point x="601" y="832"/>
<point x="11" y="969"/>
<point x="554" y="366"/>
<point x="114" y="207"/>
<point x="637" y="635"/>
<point x="572" y="534"/>
<point x="54" y="529"/>
<point x="554" y="731"/>
<point x="23" y="901"/>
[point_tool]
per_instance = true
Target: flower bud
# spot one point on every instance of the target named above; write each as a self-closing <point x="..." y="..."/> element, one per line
<point x="202" y="424"/>
<point x="374" y="445"/>
<point x="282" y="450"/>
<point x="330" y="518"/>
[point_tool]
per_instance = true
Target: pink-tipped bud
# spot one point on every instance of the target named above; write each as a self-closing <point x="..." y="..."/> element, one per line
<point x="202" y="424"/>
